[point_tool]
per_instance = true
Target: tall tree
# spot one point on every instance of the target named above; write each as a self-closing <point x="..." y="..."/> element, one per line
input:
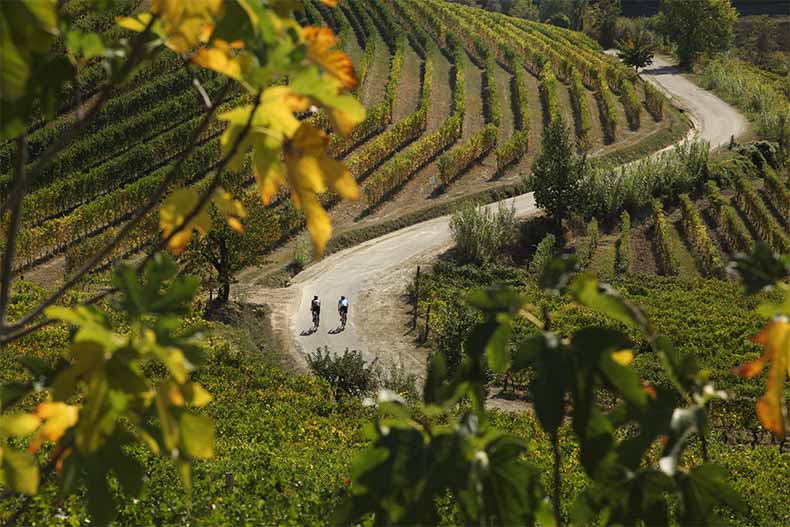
<point x="524" y="9"/>
<point x="604" y="19"/>
<point x="557" y="173"/>
<point x="699" y="26"/>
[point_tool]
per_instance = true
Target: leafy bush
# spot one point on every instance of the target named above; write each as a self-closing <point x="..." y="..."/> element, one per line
<point x="697" y="234"/>
<point x="544" y="253"/>
<point x="480" y="234"/>
<point x="667" y="259"/>
<point x="348" y="374"/>
<point x="623" y="249"/>
<point x="742" y="85"/>
<point x="760" y="217"/>
<point x="587" y="249"/>
<point x="776" y="188"/>
<point x="733" y="229"/>
<point x="654" y="102"/>
<point x="633" y="108"/>
<point x="609" y="190"/>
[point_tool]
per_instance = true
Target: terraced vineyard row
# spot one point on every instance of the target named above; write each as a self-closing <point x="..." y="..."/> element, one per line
<point x="699" y="234"/>
<point x="81" y="199"/>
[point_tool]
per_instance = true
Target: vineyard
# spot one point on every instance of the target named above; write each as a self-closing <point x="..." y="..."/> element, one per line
<point x="456" y="102"/>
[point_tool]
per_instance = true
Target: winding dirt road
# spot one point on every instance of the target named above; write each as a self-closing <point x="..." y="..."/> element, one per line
<point x="374" y="275"/>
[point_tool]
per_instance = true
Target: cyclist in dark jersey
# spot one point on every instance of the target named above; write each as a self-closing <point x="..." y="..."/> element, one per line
<point x="342" y="309"/>
<point x="315" y="309"/>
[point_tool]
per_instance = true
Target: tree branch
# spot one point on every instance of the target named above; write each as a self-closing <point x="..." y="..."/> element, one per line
<point x="22" y="328"/>
<point x="21" y="178"/>
<point x="127" y="228"/>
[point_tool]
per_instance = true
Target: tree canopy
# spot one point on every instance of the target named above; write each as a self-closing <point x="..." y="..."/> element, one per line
<point x="699" y="26"/>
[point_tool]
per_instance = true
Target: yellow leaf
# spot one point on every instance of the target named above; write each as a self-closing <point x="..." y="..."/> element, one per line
<point x="320" y="43"/>
<point x="268" y="172"/>
<point x="229" y="208"/>
<point x="775" y="339"/>
<point x="623" y="357"/>
<point x="19" y="471"/>
<point x="222" y="58"/>
<point x="309" y="171"/>
<point x="57" y="418"/>
<point x="174" y="211"/>
<point x="184" y="22"/>
<point x="137" y="24"/>
<point x="18" y="425"/>
<point x="330" y="3"/>
<point x="195" y="394"/>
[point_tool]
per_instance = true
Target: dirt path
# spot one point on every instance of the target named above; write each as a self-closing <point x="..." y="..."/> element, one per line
<point x="373" y="275"/>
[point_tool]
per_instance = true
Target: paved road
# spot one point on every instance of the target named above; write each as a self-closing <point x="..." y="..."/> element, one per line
<point x="352" y="271"/>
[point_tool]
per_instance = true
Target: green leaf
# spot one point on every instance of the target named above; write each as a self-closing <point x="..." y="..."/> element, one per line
<point x="761" y="269"/>
<point x="19" y="471"/>
<point x="12" y="392"/>
<point x="550" y="383"/>
<point x="101" y="504"/>
<point x="703" y="489"/>
<point x="197" y="435"/>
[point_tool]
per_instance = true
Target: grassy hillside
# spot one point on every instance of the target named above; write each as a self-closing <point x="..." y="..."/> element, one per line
<point x="437" y="81"/>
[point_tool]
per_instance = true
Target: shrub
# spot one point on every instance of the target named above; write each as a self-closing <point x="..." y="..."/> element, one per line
<point x="480" y="234"/>
<point x="580" y="107"/>
<point x="654" y="102"/>
<point x="667" y="259"/>
<point x="697" y="234"/>
<point x="587" y="249"/>
<point x="348" y="374"/>
<point x="631" y="104"/>
<point x="544" y="253"/>
<point x="623" y="248"/>
<point x="776" y="189"/>
<point x="760" y="217"/>
<point x="609" y="190"/>
<point x="734" y="231"/>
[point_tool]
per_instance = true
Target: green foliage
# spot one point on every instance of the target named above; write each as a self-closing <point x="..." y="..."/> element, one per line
<point x="666" y="254"/>
<point x="654" y="101"/>
<point x="544" y="254"/>
<point x="586" y="250"/>
<point x="697" y="233"/>
<point x="606" y="104"/>
<point x="734" y="231"/>
<point x="506" y="490"/>
<point x="623" y="249"/>
<point x="480" y="234"/>
<point x="760" y="217"/>
<point x="558" y="173"/>
<point x="607" y="191"/>
<point x="548" y="91"/>
<point x="119" y="403"/>
<point x="699" y="26"/>
<point x="581" y="110"/>
<point x="491" y="105"/>
<point x="632" y="105"/>
<point x="348" y="374"/>
<point x="777" y="190"/>
<point x="637" y="51"/>
<point x="743" y="86"/>
<point x="458" y="159"/>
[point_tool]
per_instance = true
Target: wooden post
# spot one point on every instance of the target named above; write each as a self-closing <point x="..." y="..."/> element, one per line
<point x="416" y="298"/>
<point x="229" y="480"/>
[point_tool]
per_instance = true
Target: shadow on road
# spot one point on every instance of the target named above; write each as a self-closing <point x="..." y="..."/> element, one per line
<point x="663" y="70"/>
<point x="308" y="332"/>
<point x="337" y="330"/>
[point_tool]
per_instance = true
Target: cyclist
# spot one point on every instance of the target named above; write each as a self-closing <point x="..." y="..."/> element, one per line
<point x="342" y="309"/>
<point x="315" y="309"/>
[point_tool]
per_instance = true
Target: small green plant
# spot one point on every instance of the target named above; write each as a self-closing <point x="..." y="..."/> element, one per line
<point x="348" y="374"/>
<point x="544" y="253"/>
<point x="666" y="256"/>
<point x="587" y="249"/>
<point x="480" y="234"/>
<point x="298" y="260"/>
<point x="623" y="248"/>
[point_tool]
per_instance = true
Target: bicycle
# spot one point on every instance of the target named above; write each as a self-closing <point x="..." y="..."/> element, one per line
<point x="343" y="318"/>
